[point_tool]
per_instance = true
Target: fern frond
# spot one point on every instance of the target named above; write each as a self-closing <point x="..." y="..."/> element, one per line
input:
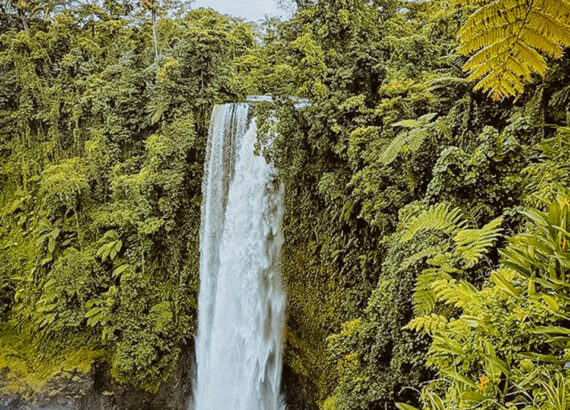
<point x="427" y="323"/>
<point x="410" y="123"/>
<point x="426" y="118"/>
<point x="424" y="299"/>
<point x="395" y="147"/>
<point x="507" y="38"/>
<point x="459" y="294"/>
<point x="439" y="217"/>
<point x="410" y="139"/>
<point x="472" y="244"/>
<point x="429" y="251"/>
<point x="416" y="137"/>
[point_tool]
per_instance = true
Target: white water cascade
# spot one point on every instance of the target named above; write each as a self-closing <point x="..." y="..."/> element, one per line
<point x="241" y="301"/>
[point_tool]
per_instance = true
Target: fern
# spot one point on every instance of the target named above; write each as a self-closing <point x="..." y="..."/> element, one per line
<point x="508" y="37"/>
<point x="458" y="294"/>
<point x="395" y="147"/>
<point x="424" y="298"/>
<point x="416" y="138"/>
<point x="440" y="217"/>
<point x="427" y="323"/>
<point x="410" y="139"/>
<point x="429" y="251"/>
<point x="421" y="121"/>
<point x="472" y="244"/>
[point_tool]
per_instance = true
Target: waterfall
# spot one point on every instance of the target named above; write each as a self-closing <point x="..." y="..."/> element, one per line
<point x="241" y="301"/>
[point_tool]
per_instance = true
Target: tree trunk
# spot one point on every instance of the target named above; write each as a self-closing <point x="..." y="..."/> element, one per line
<point x="154" y="37"/>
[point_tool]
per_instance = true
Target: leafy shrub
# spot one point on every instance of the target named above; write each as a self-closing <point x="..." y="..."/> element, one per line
<point x="502" y="344"/>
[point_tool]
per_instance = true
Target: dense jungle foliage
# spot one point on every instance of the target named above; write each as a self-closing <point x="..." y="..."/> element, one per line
<point x="412" y="195"/>
<point x="427" y="226"/>
<point x="101" y="156"/>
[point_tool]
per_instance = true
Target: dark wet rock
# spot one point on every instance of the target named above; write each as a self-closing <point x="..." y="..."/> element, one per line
<point x="295" y="392"/>
<point x="96" y="391"/>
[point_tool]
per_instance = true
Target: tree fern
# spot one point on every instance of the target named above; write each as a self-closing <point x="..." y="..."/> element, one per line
<point x="510" y="38"/>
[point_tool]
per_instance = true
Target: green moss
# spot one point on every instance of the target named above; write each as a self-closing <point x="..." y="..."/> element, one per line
<point x="27" y="364"/>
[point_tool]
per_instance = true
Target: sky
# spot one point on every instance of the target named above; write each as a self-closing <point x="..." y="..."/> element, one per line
<point x="249" y="9"/>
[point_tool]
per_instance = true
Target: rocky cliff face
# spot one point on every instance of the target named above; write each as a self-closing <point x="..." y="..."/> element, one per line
<point x="96" y="391"/>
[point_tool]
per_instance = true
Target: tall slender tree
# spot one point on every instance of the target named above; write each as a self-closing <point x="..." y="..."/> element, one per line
<point x="152" y="6"/>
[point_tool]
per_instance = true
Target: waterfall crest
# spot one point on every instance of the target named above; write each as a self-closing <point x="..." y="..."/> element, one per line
<point x="241" y="301"/>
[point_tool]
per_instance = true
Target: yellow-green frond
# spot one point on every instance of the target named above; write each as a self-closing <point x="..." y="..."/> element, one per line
<point x="427" y="323"/>
<point x="390" y="154"/>
<point x="429" y="251"/>
<point x="509" y="38"/>
<point x="472" y="244"/>
<point x="440" y="217"/>
<point x="459" y="294"/>
<point x="424" y="298"/>
<point x="416" y="137"/>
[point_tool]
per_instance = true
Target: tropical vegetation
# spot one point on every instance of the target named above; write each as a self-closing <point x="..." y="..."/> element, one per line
<point x="427" y="229"/>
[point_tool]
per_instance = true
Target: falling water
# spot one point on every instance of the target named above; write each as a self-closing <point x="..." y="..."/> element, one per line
<point x="241" y="302"/>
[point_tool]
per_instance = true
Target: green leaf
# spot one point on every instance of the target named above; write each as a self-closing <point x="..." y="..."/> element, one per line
<point x="473" y="396"/>
<point x="459" y="378"/>
<point x="427" y="117"/>
<point x="51" y="244"/>
<point x="504" y="284"/>
<point x="498" y="363"/>
<point x="404" y="406"/>
<point x="407" y="123"/>
<point x="120" y="270"/>
<point x="551" y="330"/>
<point x="55" y="233"/>
<point x="546" y="358"/>
<point x="101" y="250"/>
<point x="551" y="302"/>
<point x="46" y="260"/>
<point x="93" y="312"/>
<point x="473" y="321"/>
<point x="106" y="251"/>
<point x="94" y="320"/>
